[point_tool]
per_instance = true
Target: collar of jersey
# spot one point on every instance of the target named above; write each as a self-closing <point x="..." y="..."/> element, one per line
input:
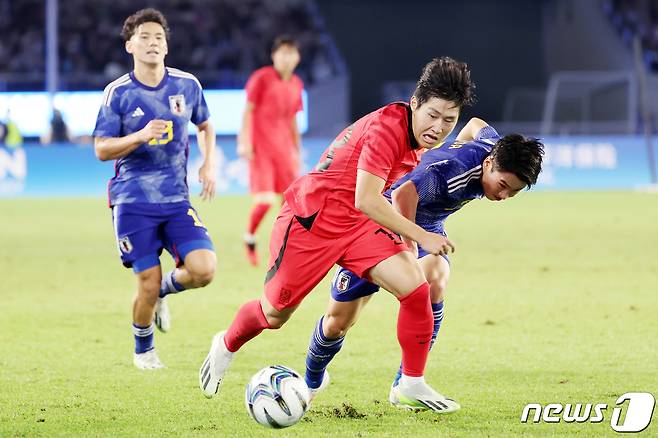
<point x="410" y="128"/>
<point x="146" y="87"/>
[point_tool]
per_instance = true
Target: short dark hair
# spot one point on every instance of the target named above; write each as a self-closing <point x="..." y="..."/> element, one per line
<point x="447" y="79"/>
<point x="148" y="15"/>
<point x="284" y="40"/>
<point x="519" y="155"/>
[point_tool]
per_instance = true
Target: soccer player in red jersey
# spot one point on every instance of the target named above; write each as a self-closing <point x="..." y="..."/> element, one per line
<point x="338" y="214"/>
<point x="269" y="138"/>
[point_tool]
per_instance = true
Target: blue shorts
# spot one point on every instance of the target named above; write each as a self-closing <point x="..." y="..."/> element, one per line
<point x="347" y="286"/>
<point x="142" y="230"/>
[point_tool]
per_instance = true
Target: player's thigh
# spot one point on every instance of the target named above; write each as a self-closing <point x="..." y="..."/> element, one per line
<point x="298" y="261"/>
<point x="184" y="233"/>
<point x="284" y="174"/>
<point x="379" y="255"/>
<point x="137" y="237"/>
<point x="261" y="174"/>
<point x="398" y="274"/>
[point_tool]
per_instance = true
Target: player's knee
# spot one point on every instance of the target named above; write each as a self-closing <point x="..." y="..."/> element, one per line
<point x="276" y="321"/>
<point x="202" y="272"/>
<point x="204" y="276"/>
<point x="149" y="287"/>
<point x="335" y="327"/>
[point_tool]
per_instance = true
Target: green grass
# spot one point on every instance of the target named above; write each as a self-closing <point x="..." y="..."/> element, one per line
<point x="552" y="299"/>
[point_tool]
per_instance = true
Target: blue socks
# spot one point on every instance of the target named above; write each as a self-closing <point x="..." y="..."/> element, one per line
<point x="437" y="312"/>
<point x="169" y="285"/>
<point x="143" y="338"/>
<point x="320" y="352"/>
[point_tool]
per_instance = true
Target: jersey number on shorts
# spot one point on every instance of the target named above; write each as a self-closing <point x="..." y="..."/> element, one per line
<point x="166" y="137"/>
<point x="197" y="222"/>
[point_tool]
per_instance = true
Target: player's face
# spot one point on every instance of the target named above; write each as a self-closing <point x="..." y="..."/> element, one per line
<point x="285" y="59"/>
<point x="498" y="185"/>
<point x="148" y="44"/>
<point x="433" y="121"/>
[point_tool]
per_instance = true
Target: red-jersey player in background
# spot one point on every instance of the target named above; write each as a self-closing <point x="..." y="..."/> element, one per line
<point x="269" y="138"/>
<point x="338" y="214"/>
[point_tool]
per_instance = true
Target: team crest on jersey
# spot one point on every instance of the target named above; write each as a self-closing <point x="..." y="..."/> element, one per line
<point x="343" y="282"/>
<point x="177" y="104"/>
<point x="125" y="246"/>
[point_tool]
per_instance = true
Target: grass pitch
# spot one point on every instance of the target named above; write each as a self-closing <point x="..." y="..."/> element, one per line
<point x="552" y="300"/>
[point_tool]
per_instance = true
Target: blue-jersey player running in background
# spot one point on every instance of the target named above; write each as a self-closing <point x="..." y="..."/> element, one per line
<point x="143" y="125"/>
<point x="479" y="163"/>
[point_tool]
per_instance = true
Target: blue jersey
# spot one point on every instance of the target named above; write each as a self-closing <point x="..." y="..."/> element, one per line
<point x="156" y="171"/>
<point x="448" y="177"/>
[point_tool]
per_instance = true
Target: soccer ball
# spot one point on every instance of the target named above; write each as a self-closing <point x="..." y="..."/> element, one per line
<point x="277" y="397"/>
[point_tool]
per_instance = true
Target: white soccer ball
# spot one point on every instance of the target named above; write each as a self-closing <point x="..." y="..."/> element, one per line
<point x="277" y="397"/>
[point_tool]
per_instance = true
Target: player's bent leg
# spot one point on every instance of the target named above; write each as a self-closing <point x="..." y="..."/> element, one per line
<point x="252" y="318"/>
<point x="148" y="287"/>
<point x="327" y="340"/>
<point x="437" y="271"/>
<point x="414" y="332"/>
<point x="262" y="203"/>
<point x="198" y="269"/>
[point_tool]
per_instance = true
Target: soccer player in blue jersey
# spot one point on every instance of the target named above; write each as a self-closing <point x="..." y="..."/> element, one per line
<point x="143" y="125"/>
<point x="479" y="163"/>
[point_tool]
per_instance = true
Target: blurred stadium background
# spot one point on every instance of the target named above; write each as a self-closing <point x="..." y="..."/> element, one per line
<point x="552" y="296"/>
<point x="582" y="75"/>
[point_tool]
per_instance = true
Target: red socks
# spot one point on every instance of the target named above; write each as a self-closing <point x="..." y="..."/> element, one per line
<point x="248" y="324"/>
<point x="415" y="330"/>
<point x="257" y="214"/>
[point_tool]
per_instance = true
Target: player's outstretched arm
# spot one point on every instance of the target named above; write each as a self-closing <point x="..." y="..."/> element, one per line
<point x="113" y="148"/>
<point x="207" y="176"/>
<point x="471" y="129"/>
<point x="405" y="201"/>
<point x="369" y="200"/>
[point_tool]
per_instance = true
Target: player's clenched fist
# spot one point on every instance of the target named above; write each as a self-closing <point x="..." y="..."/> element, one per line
<point x="154" y="129"/>
<point x="436" y="244"/>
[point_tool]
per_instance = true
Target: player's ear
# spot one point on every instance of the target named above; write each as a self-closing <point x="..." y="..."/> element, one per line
<point x="413" y="103"/>
<point x="129" y="47"/>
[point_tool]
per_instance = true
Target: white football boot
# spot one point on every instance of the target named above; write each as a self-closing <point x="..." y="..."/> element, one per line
<point x="214" y="367"/>
<point x="313" y="392"/>
<point x="419" y="396"/>
<point x="162" y="318"/>
<point x="147" y="361"/>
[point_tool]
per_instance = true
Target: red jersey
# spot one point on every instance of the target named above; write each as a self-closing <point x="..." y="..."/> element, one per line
<point x="381" y="143"/>
<point x="276" y="102"/>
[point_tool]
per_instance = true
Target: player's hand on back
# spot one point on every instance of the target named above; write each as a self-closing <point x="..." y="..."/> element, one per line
<point x="436" y="244"/>
<point x="154" y="129"/>
<point x="207" y="178"/>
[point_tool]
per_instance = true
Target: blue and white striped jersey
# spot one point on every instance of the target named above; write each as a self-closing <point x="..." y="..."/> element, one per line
<point x="448" y="177"/>
<point x="156" y="171"/>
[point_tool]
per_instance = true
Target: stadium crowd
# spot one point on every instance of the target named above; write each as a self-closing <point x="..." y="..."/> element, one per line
<point x="220" y="41"/>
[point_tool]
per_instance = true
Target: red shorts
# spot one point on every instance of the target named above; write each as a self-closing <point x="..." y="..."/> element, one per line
<point x="299" y="259"/>
<point x="268" y="174"/>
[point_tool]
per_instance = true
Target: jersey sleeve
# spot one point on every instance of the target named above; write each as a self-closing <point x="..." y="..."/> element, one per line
<point x="380" y="151"/>
<point x="200" y="111"/>
<point x="254" y="88"/>
<point x="108" y="121"/>
<point x="487" y="135"/>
